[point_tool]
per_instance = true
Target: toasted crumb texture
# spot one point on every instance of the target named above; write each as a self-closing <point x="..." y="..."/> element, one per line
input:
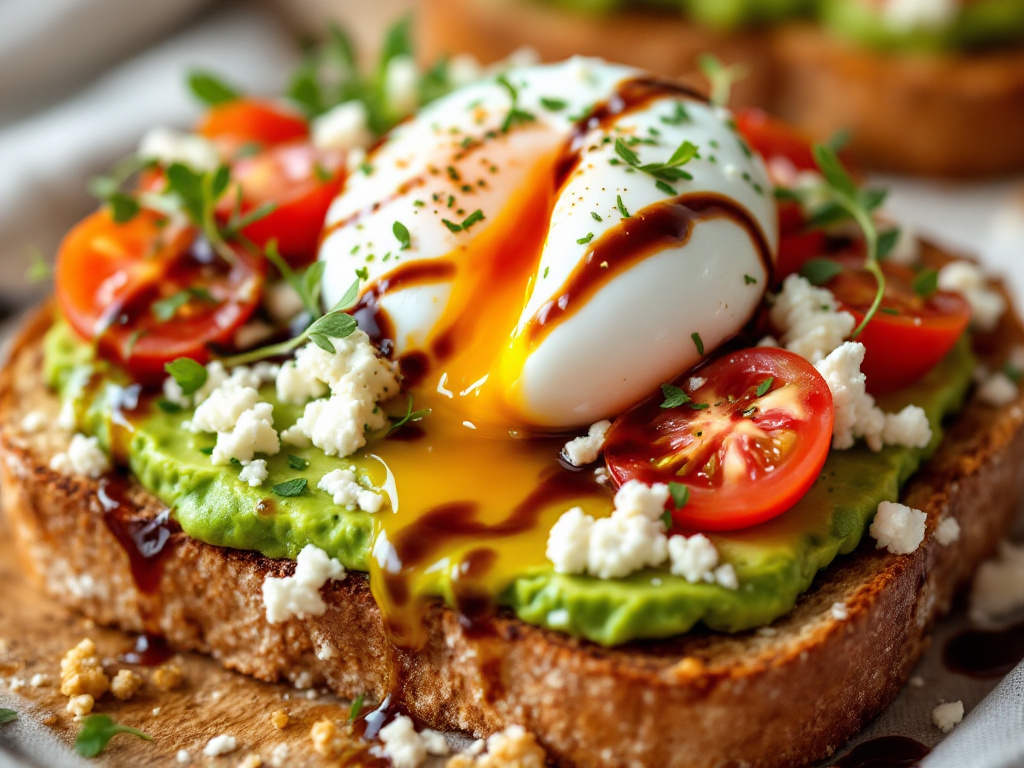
<point x="81" y="672"/>
<point x="125" y="685"/>
<point x="513" y="747"/>
<point x="168" y="677"/>
<point x="327" y="739"/>
<point x="251" y="761"/>
<point x="280" y="719"/>
<point x="81" y="705"/>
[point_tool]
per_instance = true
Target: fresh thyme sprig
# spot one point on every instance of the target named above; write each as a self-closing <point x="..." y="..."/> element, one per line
<point x="721" y="77"/>
<point x="515" y="115"/>
<point x="669" y="171"/>
<point x="409" y="417"/>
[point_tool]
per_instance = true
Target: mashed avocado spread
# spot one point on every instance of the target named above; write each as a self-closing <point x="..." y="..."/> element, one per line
<point x="775" y="561"/>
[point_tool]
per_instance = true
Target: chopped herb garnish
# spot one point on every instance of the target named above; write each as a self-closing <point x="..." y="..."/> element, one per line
<point x="410" y="416"/>
<point x="595" y="216"/>
<point x="7" y="716"/>
<point x="621" y="206"/>
<point x="207" y="451"/>
<point x="357" y="707"/>
<point x="680" y="494"/>
<point x="515" y="115"/>
<point x="297" y="462"/>
<point x="764" y="386"/>
<point x="210" y="89"/>
<point x="165" y="309"/>
<point x="585" y="239"/>
<point x="820" y="271"/>
<point x="133" y="339"/>
<point x="401" y="234"/>
<point x="168" y="407"/>
<point x="674" y="396"/>
<point x="452" y="226"/>
<point x="678" y="117"/>
<point x="888" y="311"/>
<point x="664" y="187"/>
<point x="721" y="77"/>
<point x="363" y="273"/>
<point x="698" y="343"/>
<point x="699" y="406"/>
<point x="472" y="219"/>
<point x="926" y="283"/>
<point x="293" y="487"/>
<point x="189" y="374"/>
<point x="555" y="105"/>
<point x="887" y="242"/>
<point x="749" y="279"/>
<point x="98" y="730"/>
<point x="749" y="411"/>
<point x="669" y="171"/>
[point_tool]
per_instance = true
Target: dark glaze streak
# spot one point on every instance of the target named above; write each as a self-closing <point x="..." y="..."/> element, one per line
<point x="631" y="95"/>
<point x="147" y="650"/>
<point x="666" y="224"/>
<point x="985" y="653"/>
<point x="403" y="189"/>
<point x="885" y="752"/>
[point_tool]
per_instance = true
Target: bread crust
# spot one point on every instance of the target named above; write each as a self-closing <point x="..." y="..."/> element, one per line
<point x="762" y="699"/>
<point x="954" y="115"/>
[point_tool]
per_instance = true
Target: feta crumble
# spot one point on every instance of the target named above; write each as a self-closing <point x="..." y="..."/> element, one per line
<point x="898" y="528"/>
<point x="168" y="146"/>
<point x="839" y="611"/>
<point x="220" y="745"/>
<point x="997" y="389"/>
<point x="947" y="531"/>
<point x="252" y="433"/>
<point x="297" y="386"/>
<point x="856" y="414"/>
<point x="298" y="595"/>
<point x="254" y="472"/>
<point x="585" y="449"/>
<point x="83" y="457"/>
<point x="346" y="491"/>
<point x="693" y="557"/>
<point x="221" y="411"/>
<point x="948" y="716"/>
<point x="967" y="279"/>
<point x="33" y="421"/>
<point x="808" y="319"/>
<point x="408" y="749"/>
<point x="998" y="588"/>
<point x="345" y="126"/>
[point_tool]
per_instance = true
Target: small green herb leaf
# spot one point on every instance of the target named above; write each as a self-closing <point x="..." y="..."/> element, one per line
<point x="749" y="280"/>
<point x="678" y="117"/>
<point x="410" y="416"/>
<point x="698" y="343"/>
<point x="168" y="407"/>
<point x="123" y="207"/>
<point x="764" y="386"/>
<point x="336" y="325"/>
<point x="189" y="374"/>
<point x="293" y="487"/>
<point x="887" y="241"/>
<point x="357" y="707"/>
<point x="926" y="283"/>
<point x="7" y="715"/>
<point x="210" y="89"/>
<point x="98" y="730"/>
<point x="297" y="462"/>
<point x="472" y="219"/>
<point x="621" y="206"/>
<point x="401" y="234"/>
<point x="820" y="271"/>
<point x="555" y="105"/>
<point x="680" y="494"/>
<point x="674" y="396"/>
<point x="452" y="226"/>
<point x="721" y="77"/>
<point x="585" y="239"/>
<point x="595" y="216"/>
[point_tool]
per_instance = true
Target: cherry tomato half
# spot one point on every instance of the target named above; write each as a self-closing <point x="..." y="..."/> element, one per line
<point x="745" y="457"/>
<point x="301" y="181"/>
<point x="909" y="334"/>
<point x="149" y="292"/>
<point x="772" y="138"/>
<point x="252" y="121"/>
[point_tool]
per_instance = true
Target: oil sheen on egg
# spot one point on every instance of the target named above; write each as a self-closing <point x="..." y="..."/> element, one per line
<point x="554" y="272"/>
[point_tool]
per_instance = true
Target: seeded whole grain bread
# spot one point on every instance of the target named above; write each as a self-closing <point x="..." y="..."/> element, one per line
<point x="778" y="697"/>
<point x="953" y="114"/>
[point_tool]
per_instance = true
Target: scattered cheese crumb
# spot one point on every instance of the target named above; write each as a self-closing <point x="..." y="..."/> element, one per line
<point x="33" y="422"/>
<point x="297" y="385"/>
<point x="513" y="746"/>
<point x="16" y="683"/>
<point x="220" y="745"/>
<point x="967" y="279"/>
<point x="39" y="680"/>
<point x="839" y="612"/>
<point x="168" y="146"/>
<point x="222" y="409"/>
<point x="998" y="390"/>
<point x="280" y="719"/>
<point x="585" y="449"/>
<point x="183" y="757"/>
<point x="947" y="531"/>
<point x="326" y="738"/>
<point x="299" y="595"/>
<point x="83" y="457"/>
<point x="254" y="472"/>
<point x="344" y="488"/>
<point x="251" y="761"/>
<point x="898" y="528"/>
<point x="125" y="684"/>
<point x="81" y="705"/>
<point x="808" y="319"/>
<point x="998" y="588"/>
<point x="408" y="749"/>
<point x="917" y="681"/>
<point x="693" y="557"/>
<point x="279" y="756"/>
<point x="252" y="433"/>
<point x="345" y="126"/>
<point x="601" y="476"/>
<point x="947" y="716"/>
<point x="156" y="711"/>
<point x="856" y="414"/>
<point x="81" y="671"/>
<point x="168" y="677"/>
<point x="907" y="250"/>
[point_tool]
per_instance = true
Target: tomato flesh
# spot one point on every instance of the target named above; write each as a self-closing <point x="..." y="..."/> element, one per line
<point x="110" y="277"/>
<point x="247" y="121"/>
<point x="909" y="334"/>
<point x="744" y="457"/>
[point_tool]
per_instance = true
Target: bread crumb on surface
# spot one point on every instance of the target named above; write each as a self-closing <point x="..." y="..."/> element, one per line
<point x="168" y="677"/>
<point x="514" y="747"/>
<point x="81" y="672"/>
<point x="279" y="756"/>
<point x="917" y="681"/>
<point x="125" y="684"/>
<point x="49" y="720"/>
<point x="997" y="390"/>
<point x="220" y="745"/>
<point x="326" y="738"/>
<point x="39" y="680"/>
<point x="280" y="719"/>
<point x="947" y="716"/>
<point x="81" y="705"/>
<point x="251" y="761"/>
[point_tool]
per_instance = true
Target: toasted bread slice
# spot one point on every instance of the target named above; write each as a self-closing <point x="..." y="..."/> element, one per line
<point x="777" y="697"/>
<point x="956" y="114"/>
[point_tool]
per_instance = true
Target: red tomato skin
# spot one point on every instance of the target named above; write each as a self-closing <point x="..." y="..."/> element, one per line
<point x="632" y="441"/>
<point x="253" y="120"/>
<point x="771" y="137"/>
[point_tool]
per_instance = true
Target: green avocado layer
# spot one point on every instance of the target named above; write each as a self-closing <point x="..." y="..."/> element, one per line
<point x="775" y="562"/>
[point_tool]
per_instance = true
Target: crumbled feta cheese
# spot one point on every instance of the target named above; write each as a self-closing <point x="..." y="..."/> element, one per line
<point x="601" y="476"/>
<point x="693" y="557"/>
<point x="695" y="383"/>
<point x="912" y="15"/>
<point x="346" y="491"/>
<point x="402" y="745"/>
<point x="998" y="390"/>
<point x="402" y="85"/>
<point x="345" y="126"/>
<point x="998" y="588"/>
<point x="254" y="376"/>
<point x="569" y="541"/>
<point x="635" y="499"/>
<point x="967" y="279"/>
<point x="463" y="68"/>
<point x="725" y="576"/>
<point x="222" y="409"/>
<point x="898" y="528"/>
<point x="183" y="757"/>
<point x="947" y="716"/>
<point x="67" y="419"/>
<point x="298" y="595"/>
<point x="83" y="457"/>
<point x="354" y="364"/>
<point x="33" y="421"/>
<point x="435" y="742"/>
<point x="585" y="449"/>
<point x="168" y="146"/>
<point x="839" y="612"/>
<point x="254" y="472"/>
<point x="917" y="681"/>
<point x="620" y="545"/>
<point x="808" y="319"/>
<point x="947" y="531"/>
<point x="39" y="680"/>
<point x="216" y="375"/>
<point x="296" y="385"/>
<point x="220" y="745"/>
<point x="855" y="412"/>
<point x="253" y="433"/>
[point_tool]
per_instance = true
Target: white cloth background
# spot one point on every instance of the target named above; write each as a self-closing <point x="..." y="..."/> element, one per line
<point x="82" y="80"/>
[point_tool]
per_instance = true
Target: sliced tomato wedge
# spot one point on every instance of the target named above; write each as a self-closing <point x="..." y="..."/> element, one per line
<point x="909" y="334"/>
<point x="773" y="138"/>
<point x="148" y="292"/>
<point x="252" y="121"/>
<point x="301" y="181"/>
<point x="749" y="442"/>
